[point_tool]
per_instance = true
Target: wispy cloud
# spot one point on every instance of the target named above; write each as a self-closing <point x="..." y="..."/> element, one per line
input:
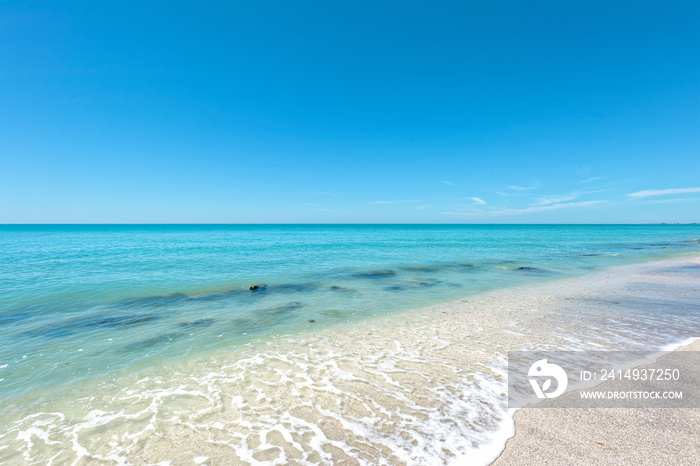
<point x="555" y="200"/>
<point x="421" y="207"/>
<point x="521" y="188"/>
<point x="591" y="180"/>
<point x="447" y="182"/>
<point x="663" y="192"/>
<point x="526" y="210"/>
<point x="669" y="201"/>
<point x="395" y="202"/>
<point x="478" y="200"/>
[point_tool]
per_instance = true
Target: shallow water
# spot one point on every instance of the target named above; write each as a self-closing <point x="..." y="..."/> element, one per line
<point x="128" y="344"/>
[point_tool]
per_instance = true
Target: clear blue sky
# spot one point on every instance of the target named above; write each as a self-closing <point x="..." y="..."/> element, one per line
<point x="334" y="112"/>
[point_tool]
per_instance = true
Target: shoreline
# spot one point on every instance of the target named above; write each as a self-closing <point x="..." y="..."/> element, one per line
<point x="421" y="387"/>
<point x="493" y="453"/>
<point x="635" y="436"/>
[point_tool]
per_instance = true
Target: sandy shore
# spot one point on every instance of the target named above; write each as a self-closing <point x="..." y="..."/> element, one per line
<point x="418" y="388"/>
<point x="606" y="436"/>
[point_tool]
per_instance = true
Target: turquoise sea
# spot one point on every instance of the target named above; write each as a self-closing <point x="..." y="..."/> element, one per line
<point x="77" y="302"/>
<point x="84" y="304"/>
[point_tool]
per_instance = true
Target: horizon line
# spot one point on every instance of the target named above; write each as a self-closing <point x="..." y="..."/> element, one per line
<point x="341" y="223"/>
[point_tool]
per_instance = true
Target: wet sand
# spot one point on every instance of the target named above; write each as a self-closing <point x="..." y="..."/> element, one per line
<point x="607" y="435"/>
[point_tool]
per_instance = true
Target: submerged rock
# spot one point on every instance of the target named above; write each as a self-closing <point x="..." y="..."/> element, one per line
<point x="375" y="274"/>
<point x="197" y="323"/>
<point x="121" y="321"/>
<point x="395" y="288"/>
<point x="532" y="270"/>
<point x="421" y="268"/>
<point x="466" y="266"/>
<point x="428" y="282"/>
<point x="153" y="300"/>
<point x="77" y="325"/>
<point x="413" y="285"/>
<point x="340" y="288"/>
<point x="263" y="319"/>
<point x="285" y="287"/>
<point x="12" y="318"/>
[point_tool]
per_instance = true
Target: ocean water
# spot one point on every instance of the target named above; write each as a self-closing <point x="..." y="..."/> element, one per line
<point x="113" y="336"/>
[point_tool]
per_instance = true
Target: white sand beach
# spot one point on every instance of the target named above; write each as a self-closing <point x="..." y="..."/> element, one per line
<point x="603" y="436"/>
<point x="423" y="387"/>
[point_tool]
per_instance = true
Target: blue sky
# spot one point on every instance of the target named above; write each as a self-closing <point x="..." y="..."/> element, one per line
<point x="350" y="112"/>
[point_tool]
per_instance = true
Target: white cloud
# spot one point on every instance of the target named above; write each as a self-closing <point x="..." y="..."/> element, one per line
<point x="555" y="200"/>
<point x="447" y="182"/>
<point x="592" y="179"/>
<point x="669" y="201"/>
<point x="522" y="188"/>
<point x="478" y="200"/>
<point x="526" y="210"/>
<point x="421" y="207"/>
<point x="663" y="192"/>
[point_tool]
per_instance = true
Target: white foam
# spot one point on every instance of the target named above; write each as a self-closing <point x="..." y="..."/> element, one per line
<point x="420" y="388"/>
